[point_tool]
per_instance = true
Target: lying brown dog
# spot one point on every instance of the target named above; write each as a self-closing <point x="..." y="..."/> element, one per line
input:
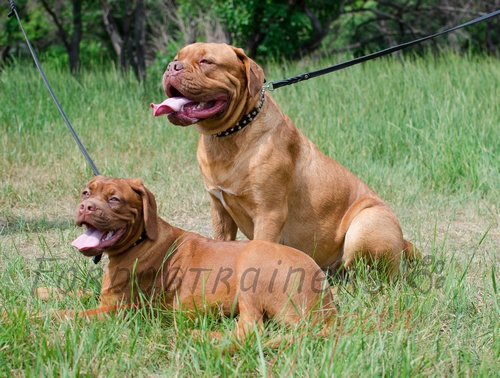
<point x="151" y="260"/>
<point x="263" y="175"/>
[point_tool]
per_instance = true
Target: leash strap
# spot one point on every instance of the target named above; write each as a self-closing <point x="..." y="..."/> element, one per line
<point x="13" y="11"/>
<point x="80" y="145"/>
<point x="295" y="79"/>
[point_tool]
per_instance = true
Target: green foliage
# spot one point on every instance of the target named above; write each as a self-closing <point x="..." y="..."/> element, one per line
<point x="281" y="28"/>
<point x="406" y="113"/>
<point x="375" y="25"/>
<point x="35" y="22"/>
<point x="265" y="29"/>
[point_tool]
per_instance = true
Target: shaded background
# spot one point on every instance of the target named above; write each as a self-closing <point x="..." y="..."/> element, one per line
<point x="139" y="34"/>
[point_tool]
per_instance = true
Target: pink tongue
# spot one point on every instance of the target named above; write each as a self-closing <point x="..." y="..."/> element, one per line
<point x="89" y="239"/>
<point x="170" y="105"/>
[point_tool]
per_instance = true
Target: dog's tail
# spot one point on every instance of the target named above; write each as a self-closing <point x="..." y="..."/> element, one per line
<point x="411" y="252"/>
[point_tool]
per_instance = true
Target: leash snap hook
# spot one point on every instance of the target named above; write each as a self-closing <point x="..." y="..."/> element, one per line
<point x="269" y="86"/>
<point x="12" y="9"/>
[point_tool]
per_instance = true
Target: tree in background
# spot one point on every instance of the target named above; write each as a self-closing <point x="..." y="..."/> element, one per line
<point x="377" y="24"/>
<point x="288" y="28"/>
<point x="125" y="23"/>
<point x="145" y="32"/>
<point x="296" y="28"/>
<point x="123" y="20"/>
<point x="66" y="31"/>
<point x="58" y="13"/>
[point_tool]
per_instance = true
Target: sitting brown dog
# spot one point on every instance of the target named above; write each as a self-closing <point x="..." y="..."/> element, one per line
<point x="151" y="260"/>
<point x="263" y="175"/>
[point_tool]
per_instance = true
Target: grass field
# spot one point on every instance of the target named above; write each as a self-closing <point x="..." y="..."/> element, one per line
<point x="423" y="133"/>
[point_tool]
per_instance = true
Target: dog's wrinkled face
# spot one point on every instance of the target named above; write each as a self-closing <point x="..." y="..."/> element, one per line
<point x="209" y="84"/>
<point x="115" y="213"/>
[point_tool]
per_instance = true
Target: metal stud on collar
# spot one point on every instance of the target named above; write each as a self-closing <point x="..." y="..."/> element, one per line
<point x="141" y="238"/>
<point x="245" y="120"/>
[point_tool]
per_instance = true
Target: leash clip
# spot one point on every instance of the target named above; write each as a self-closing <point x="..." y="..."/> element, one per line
<point x="12" y="9"/>
<point x="269" y="86"/>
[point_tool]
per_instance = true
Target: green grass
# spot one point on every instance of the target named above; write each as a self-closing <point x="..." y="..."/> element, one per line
<point x="424" y="134"/>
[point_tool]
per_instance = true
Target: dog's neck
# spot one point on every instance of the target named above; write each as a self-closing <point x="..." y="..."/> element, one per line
<point x="146" y="253"/>
<point x="141" y="238"/>
<point x="245" y="120"/>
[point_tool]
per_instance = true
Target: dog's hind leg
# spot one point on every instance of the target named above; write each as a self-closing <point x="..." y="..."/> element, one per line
<point x="375" y="235"/>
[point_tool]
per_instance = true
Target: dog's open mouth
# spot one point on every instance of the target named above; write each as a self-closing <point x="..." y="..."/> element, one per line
<point x="97" y="240"/>
<point x="184" y="111"/>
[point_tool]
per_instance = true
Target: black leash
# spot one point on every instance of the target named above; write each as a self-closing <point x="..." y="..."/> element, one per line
<point x="13" y="11"/>
<point x="295" y="79"/>
<point x="82" y="148"/>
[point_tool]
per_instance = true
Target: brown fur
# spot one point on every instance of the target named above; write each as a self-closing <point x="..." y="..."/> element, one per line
<point x="269" y="180"/>
<point x="182" y="270"/>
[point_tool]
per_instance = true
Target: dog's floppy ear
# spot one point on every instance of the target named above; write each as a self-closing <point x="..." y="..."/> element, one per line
<point x="255" y="74"/>
<point x="148" y="208"/>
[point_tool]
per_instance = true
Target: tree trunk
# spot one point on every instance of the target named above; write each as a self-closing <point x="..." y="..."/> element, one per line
<point x="129" y="45"/>
<point x="76" y="37"/>
<point x="73" y="44"/>
<point x="112" y="30"/>
<point x="140" y="39"/>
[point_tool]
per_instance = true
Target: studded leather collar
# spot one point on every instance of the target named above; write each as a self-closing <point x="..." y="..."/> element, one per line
<point x="245" y="120"/>
<point x="141" y="238"/>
